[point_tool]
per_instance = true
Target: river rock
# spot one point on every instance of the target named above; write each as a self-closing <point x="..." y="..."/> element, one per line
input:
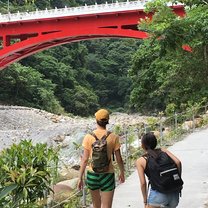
<point x="60" y="193"/>
<point x="68" y="173"/>
<point x="72" y="183"/>
<point x="59" y="138"/>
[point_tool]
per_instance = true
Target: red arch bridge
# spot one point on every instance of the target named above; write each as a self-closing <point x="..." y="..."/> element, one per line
<point x="23" y="34"/>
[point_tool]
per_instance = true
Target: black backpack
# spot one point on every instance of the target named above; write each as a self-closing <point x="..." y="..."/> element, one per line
<point x="100" y="160"/>
<point x="163" y="173"/>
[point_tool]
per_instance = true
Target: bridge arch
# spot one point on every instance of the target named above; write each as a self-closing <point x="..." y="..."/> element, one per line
<point x="24" y="34"/>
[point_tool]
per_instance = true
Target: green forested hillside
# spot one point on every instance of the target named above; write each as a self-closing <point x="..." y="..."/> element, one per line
<point x="163" y="73"/>
<point x="119" y="74"/>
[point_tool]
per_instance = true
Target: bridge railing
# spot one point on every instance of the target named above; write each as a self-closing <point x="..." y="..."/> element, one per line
<point x="73" y="11"/>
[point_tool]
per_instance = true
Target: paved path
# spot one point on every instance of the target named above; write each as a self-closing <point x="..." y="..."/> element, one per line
<point x="193" y="152"/>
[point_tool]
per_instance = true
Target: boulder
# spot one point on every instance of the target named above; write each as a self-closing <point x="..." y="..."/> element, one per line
<point x="166" y="131"/>
<point x="198" y="122"/>
<point x="59" y="138"/>
<point x="56" y="118"/>
<point x="72" y="183"/>
<point x="156" y="133"/>
<point x="68" y="173"/>
<point x="60" y="192"/>
<point x="187" y="125"/>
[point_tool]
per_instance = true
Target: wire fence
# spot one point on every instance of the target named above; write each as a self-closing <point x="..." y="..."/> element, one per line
<point x="167" y="130"/>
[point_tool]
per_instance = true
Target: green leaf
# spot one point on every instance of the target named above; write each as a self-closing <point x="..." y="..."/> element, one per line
<point x="6" y="190"/>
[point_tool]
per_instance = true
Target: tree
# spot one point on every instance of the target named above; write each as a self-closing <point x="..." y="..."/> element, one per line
<point x="109" y="62"/>
<point x="22" y="85"/>
<point x="174" y="75"/>
<point x="80" y="101"/>
<point x="100" y="67"/>
<point x="174" y="31"/>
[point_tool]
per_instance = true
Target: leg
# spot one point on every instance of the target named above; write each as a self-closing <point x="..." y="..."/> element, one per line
<point x="107" y="189"/>
<point x="107" y="199"/>
<point x="94" y="187"/>
<point x="96" y="198"/>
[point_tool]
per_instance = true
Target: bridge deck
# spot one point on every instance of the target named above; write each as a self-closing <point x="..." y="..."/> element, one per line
<point x="74" y="11"/>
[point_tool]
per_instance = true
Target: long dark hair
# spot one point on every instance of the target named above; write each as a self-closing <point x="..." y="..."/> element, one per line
<point x="149" y="143"/>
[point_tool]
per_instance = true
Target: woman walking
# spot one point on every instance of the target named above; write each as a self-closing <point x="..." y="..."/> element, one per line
<point x="163" y="170"/>
<point x="99" y="146"/>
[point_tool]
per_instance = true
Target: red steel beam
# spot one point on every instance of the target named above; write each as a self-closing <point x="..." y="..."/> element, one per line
<point x="22" y="39"/>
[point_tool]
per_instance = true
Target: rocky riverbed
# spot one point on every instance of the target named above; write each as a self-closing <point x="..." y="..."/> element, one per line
<point x="17" y="123"/>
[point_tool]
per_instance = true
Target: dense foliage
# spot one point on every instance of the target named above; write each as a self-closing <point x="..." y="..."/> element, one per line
<point x="163" y="73"/>
<point x="76" y="78"/>
<point x="80" y="77"/>
<point x="26" y="173"/>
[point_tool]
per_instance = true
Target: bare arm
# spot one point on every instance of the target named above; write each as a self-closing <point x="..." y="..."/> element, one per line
<point x="175" y="159"/>
<point x="140" y="165"/>
<point x="120" y="165"/>
<point x="84" y="162"/>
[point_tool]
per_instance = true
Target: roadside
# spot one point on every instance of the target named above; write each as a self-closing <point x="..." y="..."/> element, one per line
<point x="193" y="152"/>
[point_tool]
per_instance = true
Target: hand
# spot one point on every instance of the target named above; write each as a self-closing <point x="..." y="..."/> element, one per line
<point x="80" y="184"/>
<point x="121" y="177"/>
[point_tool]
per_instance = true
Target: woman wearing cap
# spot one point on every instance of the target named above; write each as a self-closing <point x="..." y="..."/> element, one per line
<point x="101" y="185"/>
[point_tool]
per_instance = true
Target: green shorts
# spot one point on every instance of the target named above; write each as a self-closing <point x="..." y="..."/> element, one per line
<point x="102" y="181"/>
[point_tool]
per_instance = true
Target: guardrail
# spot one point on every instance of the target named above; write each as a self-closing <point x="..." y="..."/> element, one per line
<point x="167" y="130"/>
<point x="74" y="11"/>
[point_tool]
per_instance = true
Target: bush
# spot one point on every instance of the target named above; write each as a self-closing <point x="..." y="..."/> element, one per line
<point x="26" y="174"/>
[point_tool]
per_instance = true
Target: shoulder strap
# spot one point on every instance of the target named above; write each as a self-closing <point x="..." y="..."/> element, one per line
<point x="103" y="137"/>
<point x="145" y="156"/>
<point x="94" y="135"/>
<point x="153" y="153"/>
<point x="106" y="135"/>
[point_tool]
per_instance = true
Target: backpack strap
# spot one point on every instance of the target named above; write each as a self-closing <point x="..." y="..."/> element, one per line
<point x="104" y="137"/>
<point x="94" y="135"/>
<point x="146" y="156"/>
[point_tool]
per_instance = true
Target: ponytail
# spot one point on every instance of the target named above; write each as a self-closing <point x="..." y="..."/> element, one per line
<point x="149" y="142"/>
